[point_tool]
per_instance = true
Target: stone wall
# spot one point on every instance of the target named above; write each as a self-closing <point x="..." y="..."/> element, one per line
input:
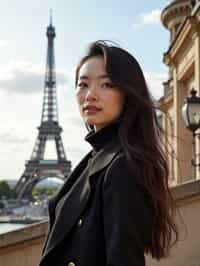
<point x="23" y="247"/>
<point x="186" y="252"/>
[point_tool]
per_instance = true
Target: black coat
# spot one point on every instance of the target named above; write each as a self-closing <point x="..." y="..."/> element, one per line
<point x="101" y="215"/>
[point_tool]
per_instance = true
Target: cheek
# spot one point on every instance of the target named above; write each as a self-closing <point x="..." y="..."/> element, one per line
<point x="114" y="99"/>
<point x="80" y="97"/>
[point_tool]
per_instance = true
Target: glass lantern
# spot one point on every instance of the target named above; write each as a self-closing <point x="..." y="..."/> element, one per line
<point x="191" y="111"/>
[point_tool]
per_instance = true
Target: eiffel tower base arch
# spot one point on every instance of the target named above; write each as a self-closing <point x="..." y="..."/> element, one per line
<point x="36" y="171"/>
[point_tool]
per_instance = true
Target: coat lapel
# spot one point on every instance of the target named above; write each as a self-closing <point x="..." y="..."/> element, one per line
<point x="69" y="206"/>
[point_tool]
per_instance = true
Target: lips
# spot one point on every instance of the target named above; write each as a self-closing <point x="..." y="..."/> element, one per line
<point x="91" y="108"/>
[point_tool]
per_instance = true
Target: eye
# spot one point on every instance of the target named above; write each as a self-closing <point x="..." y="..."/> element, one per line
<point x="82" y="85"/>
<point x="107" y="85"/>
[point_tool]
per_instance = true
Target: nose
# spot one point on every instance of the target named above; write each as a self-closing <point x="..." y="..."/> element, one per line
<point x="91" y="94"/>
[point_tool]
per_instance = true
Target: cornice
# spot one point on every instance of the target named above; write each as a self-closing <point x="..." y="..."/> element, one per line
<point x="188" y="29"/>
<point x="174" y="9"/>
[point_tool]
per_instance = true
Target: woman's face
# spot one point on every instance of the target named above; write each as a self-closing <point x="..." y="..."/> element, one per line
<point x="100" y="102"/>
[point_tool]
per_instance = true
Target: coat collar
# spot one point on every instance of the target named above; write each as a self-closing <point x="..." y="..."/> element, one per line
<point x="98" y="139"/>
<point x="69" y="206"/>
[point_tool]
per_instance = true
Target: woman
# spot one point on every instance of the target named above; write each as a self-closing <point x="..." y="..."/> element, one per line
<point x="116" y="205"/>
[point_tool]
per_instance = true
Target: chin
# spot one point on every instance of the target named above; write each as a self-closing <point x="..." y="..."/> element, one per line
<point x="90" y="122"/>
<point x="93" y="122"/>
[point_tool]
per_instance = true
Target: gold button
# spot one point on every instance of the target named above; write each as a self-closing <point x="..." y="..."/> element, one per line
<point x="80" y="222"/>
<point x="71" y="264"/>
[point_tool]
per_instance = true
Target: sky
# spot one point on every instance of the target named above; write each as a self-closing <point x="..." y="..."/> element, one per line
<point x="134" y="25"/>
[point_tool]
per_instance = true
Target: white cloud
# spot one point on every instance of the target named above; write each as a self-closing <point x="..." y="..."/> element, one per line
<point x="155" y="83"/>
<point x="3" y="43"/>
<point x="8" y="138"/>
<point x="27" y="78"/>
<point x="153" y="17"/>
<point x="71" y="75"/>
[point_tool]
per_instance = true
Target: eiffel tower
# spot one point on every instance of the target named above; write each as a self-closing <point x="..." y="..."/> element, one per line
<point x="37" y="168"/>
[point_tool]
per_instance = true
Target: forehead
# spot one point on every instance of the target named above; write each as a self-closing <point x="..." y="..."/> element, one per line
<point x="93" y="67"/>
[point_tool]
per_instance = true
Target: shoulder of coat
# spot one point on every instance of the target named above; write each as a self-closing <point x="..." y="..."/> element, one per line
<point x="117" y="159"/>
<point x="120" y="166"/>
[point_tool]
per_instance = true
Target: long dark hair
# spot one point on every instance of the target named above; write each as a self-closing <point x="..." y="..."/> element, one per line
<point x="141" y="137"/>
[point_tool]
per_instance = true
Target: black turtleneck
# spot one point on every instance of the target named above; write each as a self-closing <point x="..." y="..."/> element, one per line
<point x="98" y="139"/>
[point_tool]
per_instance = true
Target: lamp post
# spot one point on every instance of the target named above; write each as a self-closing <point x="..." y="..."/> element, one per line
<point x="191" y="117"/>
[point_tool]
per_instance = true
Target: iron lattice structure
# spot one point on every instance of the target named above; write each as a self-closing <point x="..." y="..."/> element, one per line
<point x="37" y="167"/>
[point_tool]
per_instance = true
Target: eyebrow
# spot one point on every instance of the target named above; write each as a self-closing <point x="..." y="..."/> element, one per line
<point x="99" y="77"/>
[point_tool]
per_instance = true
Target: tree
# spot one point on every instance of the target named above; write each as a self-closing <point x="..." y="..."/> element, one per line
<point x="6" y="191"/>
<point x="44" y="190"/>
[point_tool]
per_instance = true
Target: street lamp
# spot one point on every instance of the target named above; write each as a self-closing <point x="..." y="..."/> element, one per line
<point x="191" y="117"/>
<point x="192" y="3"/>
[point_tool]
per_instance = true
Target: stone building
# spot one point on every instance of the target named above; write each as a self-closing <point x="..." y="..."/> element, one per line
<point x="182" y="19"/>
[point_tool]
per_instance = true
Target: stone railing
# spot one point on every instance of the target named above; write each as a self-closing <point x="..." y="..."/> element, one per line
<point x="168" y="87"/>
<point x="23" y="247"/>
